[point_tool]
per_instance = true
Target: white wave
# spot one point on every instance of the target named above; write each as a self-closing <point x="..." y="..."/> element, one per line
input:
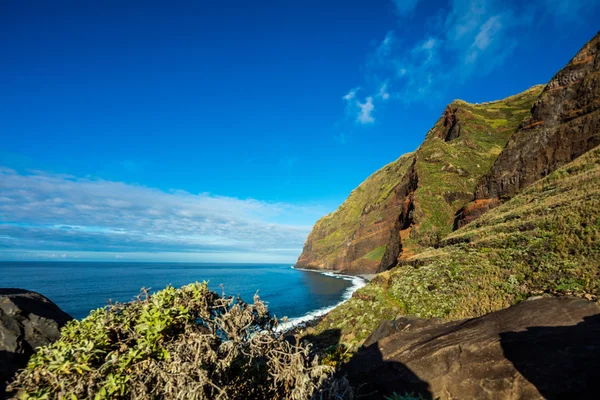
<point x="357" y="283"/>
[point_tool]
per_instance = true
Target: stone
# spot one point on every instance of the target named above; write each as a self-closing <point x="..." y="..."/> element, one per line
<point x="28" y="320"/>
<point x="543" y="348"/>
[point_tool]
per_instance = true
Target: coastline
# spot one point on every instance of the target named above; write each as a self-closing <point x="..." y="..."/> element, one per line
<point x="358" y="281"/>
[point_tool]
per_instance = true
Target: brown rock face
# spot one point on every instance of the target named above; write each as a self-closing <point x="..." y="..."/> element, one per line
<point x="565" y="123"/>
<point x="451" y="126"/>
<point x="474" y="210"/>
<point x="378" y="226"/>
<point x="28" y="320"/>
<point x="544" y="348"/>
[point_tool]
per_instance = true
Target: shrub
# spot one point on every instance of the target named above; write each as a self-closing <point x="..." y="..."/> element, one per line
<point x="177" y="343"/>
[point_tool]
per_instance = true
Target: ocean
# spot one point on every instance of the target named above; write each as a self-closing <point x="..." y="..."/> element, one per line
<point x="79" y="287"/>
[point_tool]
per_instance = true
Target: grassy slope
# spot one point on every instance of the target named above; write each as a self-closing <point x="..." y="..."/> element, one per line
<point x="444" y="169"/>
<point x="454" y="168"/>
<point x="544" y="240"/>
<point x="332" y="231"/>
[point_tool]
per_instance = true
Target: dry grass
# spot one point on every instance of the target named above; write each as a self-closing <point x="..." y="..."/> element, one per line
<point x="187" y="343"/>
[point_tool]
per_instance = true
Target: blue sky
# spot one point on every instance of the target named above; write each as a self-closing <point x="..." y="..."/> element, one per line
<point x="221" y="131"/>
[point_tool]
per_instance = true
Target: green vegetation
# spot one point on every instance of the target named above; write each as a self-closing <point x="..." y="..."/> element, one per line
<point x="376" y="254"/>
<point x="177" y="343"/>
<point x="361" y="314"/>
<point x="446" y="173"/>
<point x="449" y="171"/>
<point x="334" y="230"/>
<point x="544" y="241"/>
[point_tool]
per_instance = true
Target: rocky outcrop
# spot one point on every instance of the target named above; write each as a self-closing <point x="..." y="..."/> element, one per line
<point x="28" y="320"/>
<point x="543" y="348"/>
<point x="474" y="210"/>
<point x="564" y="124"/>
<point x="451" y="125"/>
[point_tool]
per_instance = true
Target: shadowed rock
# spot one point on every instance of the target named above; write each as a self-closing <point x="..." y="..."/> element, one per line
<point x="544" y="348"/>
<point x="28" y="320"/>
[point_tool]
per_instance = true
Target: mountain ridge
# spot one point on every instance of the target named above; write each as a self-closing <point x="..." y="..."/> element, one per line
<point x="541" y="239"/>
<point x="411" y="203"/>
<point x="475" y="157"/>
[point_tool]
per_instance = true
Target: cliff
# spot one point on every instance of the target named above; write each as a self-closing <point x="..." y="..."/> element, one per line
<point x="544" y="241"/>
<point x="475" y="157"/>
<point x="411" y="203"/>
<point x="564" y="124"/>
<point x="531" y="225"/>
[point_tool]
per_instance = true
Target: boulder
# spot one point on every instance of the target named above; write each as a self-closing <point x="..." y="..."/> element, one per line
<point x="28" y="320"/>
<point x="542" y="348"/>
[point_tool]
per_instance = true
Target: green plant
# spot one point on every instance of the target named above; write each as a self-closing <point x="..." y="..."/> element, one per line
<point x="177" y="343"/>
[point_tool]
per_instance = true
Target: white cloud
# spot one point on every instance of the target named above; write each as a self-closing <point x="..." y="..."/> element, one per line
<point x="383" y="91"/>
<point x="63" y="214"/>
<point x="429" y="44"/>
<point x="366" y="108"/>
<point x="487" y="33"/>
<point x="463" y="39"/>
<point x="351" y="94"/>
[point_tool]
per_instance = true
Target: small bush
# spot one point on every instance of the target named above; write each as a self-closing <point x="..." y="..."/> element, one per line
<point x="177" y="344"/>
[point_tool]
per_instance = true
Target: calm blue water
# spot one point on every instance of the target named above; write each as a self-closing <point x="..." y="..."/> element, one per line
<point x="78" y="287"/>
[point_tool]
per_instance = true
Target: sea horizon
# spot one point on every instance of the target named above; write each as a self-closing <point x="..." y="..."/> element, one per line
<point x="298" y="294"/>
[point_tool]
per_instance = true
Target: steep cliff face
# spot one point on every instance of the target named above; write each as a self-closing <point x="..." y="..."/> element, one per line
<point x="565" y="123"/>
<point x="358" y="236"/>
<point x="411" y="203"/>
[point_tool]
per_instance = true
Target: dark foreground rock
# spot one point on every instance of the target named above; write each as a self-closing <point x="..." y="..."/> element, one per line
<point x="544" y="348"/>
<point x="28" y="320"/>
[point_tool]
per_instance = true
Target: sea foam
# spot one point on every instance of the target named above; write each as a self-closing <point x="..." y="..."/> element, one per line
<point x="357" y="283"/>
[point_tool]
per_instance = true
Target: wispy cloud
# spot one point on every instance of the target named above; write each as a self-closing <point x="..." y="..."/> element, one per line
<point x="366" y="108"/>
<point x="462" y="39"/>
<point x="361" y="111"/>
<point x="62" y="214"/>
<point x="351" y="94"/>
<point x="383" y="91"/>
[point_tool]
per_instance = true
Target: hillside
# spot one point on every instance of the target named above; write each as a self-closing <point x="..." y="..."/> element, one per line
<point x="565" y="123"/>
<point x="503" y="207"/>
<point x="544" y="241"/>
<point x="411" y="203"/>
